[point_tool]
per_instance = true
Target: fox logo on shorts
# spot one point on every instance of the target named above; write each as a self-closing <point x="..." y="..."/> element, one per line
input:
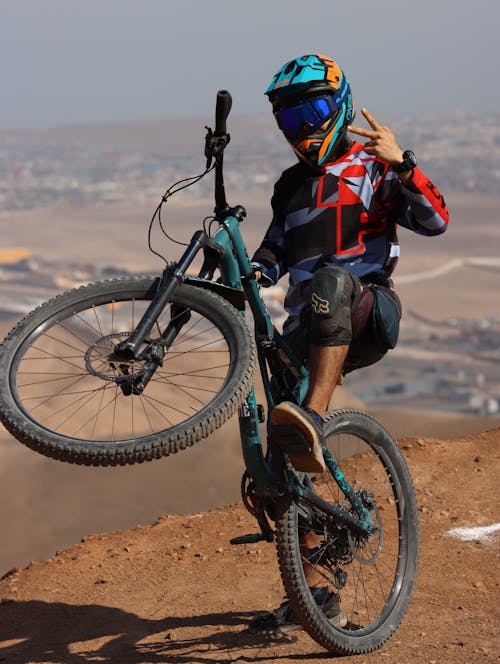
<point x="319" y="306"/>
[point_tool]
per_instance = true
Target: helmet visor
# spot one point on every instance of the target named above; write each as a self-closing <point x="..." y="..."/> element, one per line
<point x="309" y="114"/>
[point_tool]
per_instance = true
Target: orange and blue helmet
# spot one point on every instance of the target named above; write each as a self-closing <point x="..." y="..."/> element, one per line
<point x="312" y="104"/>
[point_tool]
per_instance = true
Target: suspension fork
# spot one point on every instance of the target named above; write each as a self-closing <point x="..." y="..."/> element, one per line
<point x="172" y="277"/>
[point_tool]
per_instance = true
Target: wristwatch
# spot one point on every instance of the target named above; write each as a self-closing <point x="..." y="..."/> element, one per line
<point x="408" y="164"/>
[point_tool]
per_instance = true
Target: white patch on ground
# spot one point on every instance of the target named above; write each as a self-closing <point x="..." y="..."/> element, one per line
<point x="480" y="533"/>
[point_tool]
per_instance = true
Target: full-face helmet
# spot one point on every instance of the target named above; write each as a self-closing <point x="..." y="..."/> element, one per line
<point x="312" y="104"/>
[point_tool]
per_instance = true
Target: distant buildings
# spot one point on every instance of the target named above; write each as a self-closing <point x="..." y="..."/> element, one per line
<point x="461" y="151"/>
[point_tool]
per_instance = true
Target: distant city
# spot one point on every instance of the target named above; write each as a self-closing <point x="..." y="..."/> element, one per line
<point x="460" y="151"/>
<point x="450" y="365"/>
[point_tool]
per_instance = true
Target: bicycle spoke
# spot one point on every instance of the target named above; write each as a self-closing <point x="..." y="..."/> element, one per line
<point x="52" y="356"/>
<point x="155" y="408"/>
<point x="59" y="392"/>
<point x="168" y="405"/>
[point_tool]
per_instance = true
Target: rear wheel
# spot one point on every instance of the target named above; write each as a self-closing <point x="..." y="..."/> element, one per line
<point x="63" y="394"/>
<point x="371" y="576"/>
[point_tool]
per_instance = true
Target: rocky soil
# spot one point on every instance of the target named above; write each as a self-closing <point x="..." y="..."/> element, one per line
<point x="177" y="592"/>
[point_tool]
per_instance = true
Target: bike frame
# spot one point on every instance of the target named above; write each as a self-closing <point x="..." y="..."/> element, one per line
<point x="236" y="271"/>
<point x="226" y="251"/>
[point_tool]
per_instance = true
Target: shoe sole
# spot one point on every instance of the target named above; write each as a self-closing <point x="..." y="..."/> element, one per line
<point x="340" y="620"/>
<point x="287" y="413"/>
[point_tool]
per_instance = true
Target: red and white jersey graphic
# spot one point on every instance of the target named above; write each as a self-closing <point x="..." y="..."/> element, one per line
<point x="346" y="215"/>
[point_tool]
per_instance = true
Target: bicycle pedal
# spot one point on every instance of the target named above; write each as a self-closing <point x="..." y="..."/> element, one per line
<point x="290" y="439"/>
<point x="251" y="538"/>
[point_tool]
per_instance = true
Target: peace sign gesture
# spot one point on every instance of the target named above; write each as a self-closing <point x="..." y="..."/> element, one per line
<point x="382" y="142"/>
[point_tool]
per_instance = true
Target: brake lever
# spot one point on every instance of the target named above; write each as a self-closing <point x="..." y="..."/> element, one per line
<point x="215" y="145"/>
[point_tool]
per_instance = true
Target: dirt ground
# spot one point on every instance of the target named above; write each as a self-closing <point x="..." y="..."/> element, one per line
<point x="178" y="592"/>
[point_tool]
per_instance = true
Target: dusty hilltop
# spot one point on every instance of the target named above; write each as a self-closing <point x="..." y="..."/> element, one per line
<point x="177" y="591"/>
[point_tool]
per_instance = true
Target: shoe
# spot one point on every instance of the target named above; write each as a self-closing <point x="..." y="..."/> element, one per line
<point x="283" y="621"/>
<point x="298" y="432"/>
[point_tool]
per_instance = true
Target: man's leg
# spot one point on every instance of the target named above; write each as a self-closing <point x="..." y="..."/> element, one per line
<point x="282" y="619"/>
<point x="325" y="367"/>
<point x="334" y="293"/>
<point x="308" y="544"/>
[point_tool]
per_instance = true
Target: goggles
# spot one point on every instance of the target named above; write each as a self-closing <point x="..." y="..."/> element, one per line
<point x="311" y="112"/>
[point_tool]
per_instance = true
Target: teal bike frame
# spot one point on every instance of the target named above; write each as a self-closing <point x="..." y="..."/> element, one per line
<point x="237" y="272"/>
<point x="226" y="248"/>
<point x="283" y="375"/>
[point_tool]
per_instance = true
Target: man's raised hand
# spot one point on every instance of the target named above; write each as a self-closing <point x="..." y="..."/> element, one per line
<point x="382" y="143"/>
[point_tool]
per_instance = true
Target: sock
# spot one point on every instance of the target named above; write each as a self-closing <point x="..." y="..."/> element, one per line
<point x="317" y="416"/>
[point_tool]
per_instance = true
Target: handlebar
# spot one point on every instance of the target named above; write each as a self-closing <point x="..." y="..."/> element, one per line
<point x="222" y="109"/>
<point x="215" y="142"/>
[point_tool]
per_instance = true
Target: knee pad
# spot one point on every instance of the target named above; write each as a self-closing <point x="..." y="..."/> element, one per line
<point x="332" y="291"/>
<point x="328" y="290"/>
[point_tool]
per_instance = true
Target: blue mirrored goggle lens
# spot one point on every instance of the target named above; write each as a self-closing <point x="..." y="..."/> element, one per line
<point x="310" y="112"/>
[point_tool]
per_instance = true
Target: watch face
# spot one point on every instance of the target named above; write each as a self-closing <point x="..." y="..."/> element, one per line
<point x="409" y="162"/>
<point x="409" y="159"/>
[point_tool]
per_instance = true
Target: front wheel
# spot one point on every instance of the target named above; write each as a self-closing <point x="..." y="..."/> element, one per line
<point x="370" y="578"/>
<point x="63" y="393"/>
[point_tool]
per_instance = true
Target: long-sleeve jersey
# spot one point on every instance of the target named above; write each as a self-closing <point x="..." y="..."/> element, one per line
<point x="345" y="215"/>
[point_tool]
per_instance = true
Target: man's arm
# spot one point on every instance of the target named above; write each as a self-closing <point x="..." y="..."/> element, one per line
<point x="425" y="211"/>
<point x="269" y="259"/>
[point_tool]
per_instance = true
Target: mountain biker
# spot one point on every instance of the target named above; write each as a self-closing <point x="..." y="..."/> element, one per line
<point x="335" y="216"/>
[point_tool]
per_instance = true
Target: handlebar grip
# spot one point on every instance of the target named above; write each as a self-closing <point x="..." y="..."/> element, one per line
<point x="222" y="108"/>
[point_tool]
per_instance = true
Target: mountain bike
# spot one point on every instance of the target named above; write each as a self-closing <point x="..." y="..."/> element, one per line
<point x="137" y="368"/>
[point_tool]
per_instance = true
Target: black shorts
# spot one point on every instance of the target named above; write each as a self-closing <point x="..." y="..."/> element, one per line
<point x="344" y="311"/>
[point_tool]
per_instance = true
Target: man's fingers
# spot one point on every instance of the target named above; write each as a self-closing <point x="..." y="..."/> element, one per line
<point x="370" y="119"/>
<point x="369" y="133"/>
<point x="361" y="132"/>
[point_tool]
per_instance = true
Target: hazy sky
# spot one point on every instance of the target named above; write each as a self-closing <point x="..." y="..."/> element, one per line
<point x="71" y="61"/>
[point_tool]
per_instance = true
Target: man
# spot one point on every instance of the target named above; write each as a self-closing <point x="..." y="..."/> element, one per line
<point x="335" y="215"/>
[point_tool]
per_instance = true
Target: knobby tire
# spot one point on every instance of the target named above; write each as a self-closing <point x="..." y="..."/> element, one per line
<point x="380" y="571"/>
<point x="59" y="393"/>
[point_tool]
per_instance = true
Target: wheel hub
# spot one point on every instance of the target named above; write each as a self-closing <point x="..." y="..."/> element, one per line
<point x="99" y="360"/>
<point x="366" y="548"/>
